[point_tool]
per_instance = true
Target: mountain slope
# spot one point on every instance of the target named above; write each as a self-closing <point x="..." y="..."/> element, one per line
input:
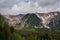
<point x="31" y="20"/>
<point x="55" y="22"/>
<point x="13" y="20"/>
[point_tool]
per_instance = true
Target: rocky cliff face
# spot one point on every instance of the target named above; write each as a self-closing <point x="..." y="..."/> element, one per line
<point x="46" y="17"/>
<point x="13" y="19"/>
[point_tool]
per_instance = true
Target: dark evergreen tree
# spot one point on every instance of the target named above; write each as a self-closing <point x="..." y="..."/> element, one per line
<point x="11" y="29"/>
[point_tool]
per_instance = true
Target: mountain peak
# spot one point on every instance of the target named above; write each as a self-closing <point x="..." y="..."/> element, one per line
<point x="31" y="20"/>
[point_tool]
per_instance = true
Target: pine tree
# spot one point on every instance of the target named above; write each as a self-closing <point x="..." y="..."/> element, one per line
<point x="1" y="23"/>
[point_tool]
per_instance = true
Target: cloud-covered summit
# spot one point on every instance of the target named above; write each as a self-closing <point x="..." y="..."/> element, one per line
<point x="28" y="6"/>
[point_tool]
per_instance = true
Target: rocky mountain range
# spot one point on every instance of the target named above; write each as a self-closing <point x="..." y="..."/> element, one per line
<point x="12" y="19"/>
<point x="33" y="19"/>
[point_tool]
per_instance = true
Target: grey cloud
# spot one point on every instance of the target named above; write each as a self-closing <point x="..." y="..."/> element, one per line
<point x="7" y="3"/>
<point x="22" y="6"/>
<point x="45" y="2"/>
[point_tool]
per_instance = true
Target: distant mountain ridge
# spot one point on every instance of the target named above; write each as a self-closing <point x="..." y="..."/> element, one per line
<point x="13" y="19"/>
<point x="31" y="19"/>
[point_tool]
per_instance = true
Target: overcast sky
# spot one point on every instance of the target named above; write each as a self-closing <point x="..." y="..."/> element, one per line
<point x="28" y="6"/>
